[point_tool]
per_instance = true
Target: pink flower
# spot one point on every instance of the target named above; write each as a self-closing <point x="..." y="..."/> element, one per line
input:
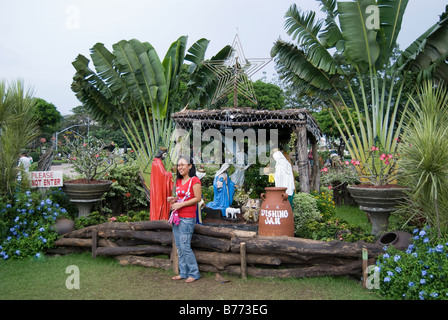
<point x="374" y="148"/>
<point x="324" y="169"/>
<point x="355" y="162"/>
<point x="97" y="155"/>
<point x="346" y="162"/>
<point x="383" y="156"/>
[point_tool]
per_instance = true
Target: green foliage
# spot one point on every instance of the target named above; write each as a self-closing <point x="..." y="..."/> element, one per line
<point x="343" y="172"/>
<point x="255" y="181"/>
<point x="91" y="219"/>
<point x="27" y="222"/>
<point x="314" y="217"/>
<point x="131" y="216"/>
<point x="335" y="58"/>
<point x="304" y="210"/>
<point x="89" y="157"/>
<point x="19" y="127"/>
<point x="126" y="186"/>
<point x="333" y="229"/>
<point x="424" y="164"/>
<point x="421" y="272"/>
<point x="49" y="117"/>
<point x="325" y="203"/>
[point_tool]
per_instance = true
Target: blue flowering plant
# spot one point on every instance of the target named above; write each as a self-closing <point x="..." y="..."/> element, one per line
<point x="420" y="272"/>
<point x="27" y="225"/>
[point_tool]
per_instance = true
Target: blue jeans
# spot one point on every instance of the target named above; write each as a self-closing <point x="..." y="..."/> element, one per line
<point x="188" y="266"/>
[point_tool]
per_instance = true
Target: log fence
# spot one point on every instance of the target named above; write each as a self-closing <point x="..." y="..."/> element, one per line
<point x="219" y="249"/>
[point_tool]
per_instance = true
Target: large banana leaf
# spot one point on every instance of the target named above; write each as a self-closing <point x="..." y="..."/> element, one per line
<point x="391" y="13"/>
<point x="295" y="62"/>
<point x="427" y="55"/>
<point x="305" y="28"/>
<point x="360" y="40"/>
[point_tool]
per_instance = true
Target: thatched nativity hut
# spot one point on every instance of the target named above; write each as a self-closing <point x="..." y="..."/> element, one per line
<point x="285" y="121"/>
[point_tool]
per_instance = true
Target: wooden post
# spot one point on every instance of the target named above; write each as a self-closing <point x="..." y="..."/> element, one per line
<point x="302" y="148"/>
<point x="243" y="260"/>
<point x="175" y="257"/>
<point x="365" y="263"/>
<point x="315" y="173"/>
<point x="94" y="242"/>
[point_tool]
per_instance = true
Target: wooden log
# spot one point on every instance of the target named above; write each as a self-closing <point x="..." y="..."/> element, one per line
<point x="221" y="260"/>
<point x="161" y="237"/>
<point x="137" y="226"/>
<point x="211" y="243"/>
<point x="125" y="260"/>
<point x="222" y="232"/>
<point x="133" y="250"/>
<point x="304" y="248"/>
<point x="291" y="260"/>
<point x="353" y="268"/>
<point x="73" y="242"/>
<point x="106" y="243"/>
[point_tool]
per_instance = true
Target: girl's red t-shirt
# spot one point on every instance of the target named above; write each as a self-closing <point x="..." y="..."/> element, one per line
<point x="181" y="191"/>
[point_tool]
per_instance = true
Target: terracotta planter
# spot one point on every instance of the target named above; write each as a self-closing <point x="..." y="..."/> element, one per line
<point x="84" y="194"/>
<point x="399" y="239"/>
<point x="276" y="217"/>
<point x="378" y="202"/>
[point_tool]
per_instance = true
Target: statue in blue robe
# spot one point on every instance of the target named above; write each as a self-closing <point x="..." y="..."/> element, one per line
<point x="223" y="189"/>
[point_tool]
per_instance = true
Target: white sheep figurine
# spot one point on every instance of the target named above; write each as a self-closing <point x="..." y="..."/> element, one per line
<point x="232" y="212"/>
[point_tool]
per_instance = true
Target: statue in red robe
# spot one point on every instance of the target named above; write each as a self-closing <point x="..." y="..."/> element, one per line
<point x="161" y="187"/>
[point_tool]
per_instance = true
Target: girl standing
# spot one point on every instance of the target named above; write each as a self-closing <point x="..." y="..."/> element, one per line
<point x="188" y="194"/>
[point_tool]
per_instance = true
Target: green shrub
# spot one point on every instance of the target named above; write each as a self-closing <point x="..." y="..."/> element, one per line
<point x="420" y="272"/>
<point x="325" y="203"/>
<point x="91" y="219"/>
<point x="334" y="229"/>
<point x="126" y="187"/>
<point x="304" y="210"/>
<point x="27" y="223"/>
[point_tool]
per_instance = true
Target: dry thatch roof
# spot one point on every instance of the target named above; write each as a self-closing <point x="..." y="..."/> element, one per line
<point x="239" y="117"/>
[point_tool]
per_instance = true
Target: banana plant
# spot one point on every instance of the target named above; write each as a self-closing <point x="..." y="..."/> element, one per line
<point x="132" y="87"/>
<point x="336" y="61"/>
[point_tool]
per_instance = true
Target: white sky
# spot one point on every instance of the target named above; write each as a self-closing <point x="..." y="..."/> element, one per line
<point x="40" y="38"/>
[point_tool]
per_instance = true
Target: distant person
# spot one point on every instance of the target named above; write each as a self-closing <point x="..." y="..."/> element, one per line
<point x="25" y="161"/>
<point x="24" y="164"/>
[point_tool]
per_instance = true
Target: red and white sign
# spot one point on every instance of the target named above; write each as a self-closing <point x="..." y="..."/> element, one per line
<point x="45" y="179"/>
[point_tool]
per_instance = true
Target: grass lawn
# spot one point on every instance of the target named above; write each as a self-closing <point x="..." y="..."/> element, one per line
<point x="104" y="279"/>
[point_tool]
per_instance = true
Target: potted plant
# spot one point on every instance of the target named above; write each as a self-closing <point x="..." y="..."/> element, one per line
<point x="92" y="159"/>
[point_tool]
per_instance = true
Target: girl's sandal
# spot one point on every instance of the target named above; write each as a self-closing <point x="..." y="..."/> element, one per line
<point x="190" y="280"/>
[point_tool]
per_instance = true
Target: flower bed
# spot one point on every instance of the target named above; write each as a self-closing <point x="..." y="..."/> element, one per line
<point x="421" y="272"/>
